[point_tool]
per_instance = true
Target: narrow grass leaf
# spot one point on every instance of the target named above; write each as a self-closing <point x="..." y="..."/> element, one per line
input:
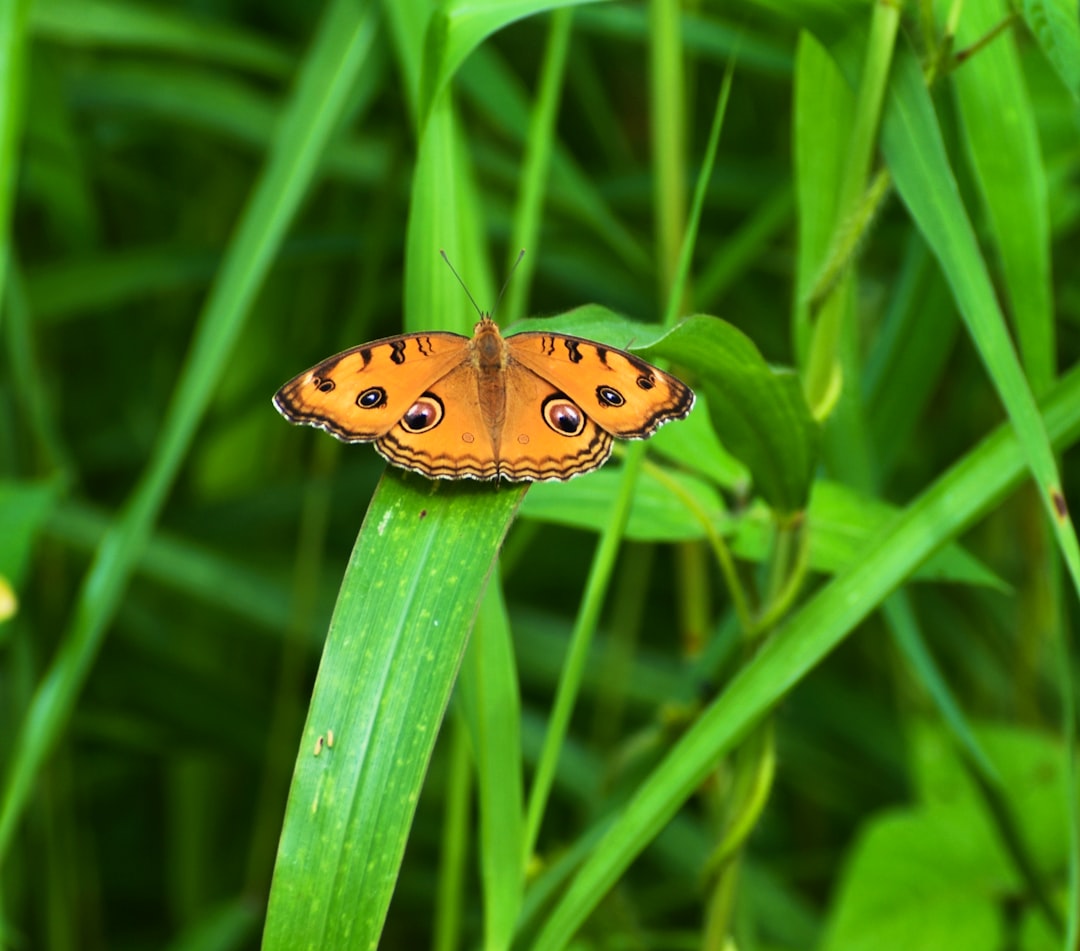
<point x="823" y="116"/>
<point x="458" y="27"/>
<point x="1003" y="145"/>
<point x="904" y="627"/>
<point x="408" y="21"/>
<point x="488" y="689"/>
<point x="193" y="570"/>
<point x="222" y="104"/>
<point x="539" y="146"/>
<point x="24" y="508"/>
<point x="63" y="291"/>
<point x="916" y="155"/>
<point x="450" y="901"/>
<point x="573" y="670"/>
<point x="13" y="50"/>
<point x="681" y="274"/>
<point x="667" y="138"/>
<point x="407" y="604"/>
<point x="842" y="521"/>
<point x="143" y="26"/>
<point x="1055" y="25"/>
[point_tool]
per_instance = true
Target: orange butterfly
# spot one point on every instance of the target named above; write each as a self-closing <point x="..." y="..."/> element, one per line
<point x="532" y="406"/>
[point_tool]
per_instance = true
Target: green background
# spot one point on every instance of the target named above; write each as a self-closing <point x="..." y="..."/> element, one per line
<point x="795" y="674"/>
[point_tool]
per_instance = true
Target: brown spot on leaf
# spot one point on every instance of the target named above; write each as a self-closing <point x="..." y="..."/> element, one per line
<point x="1060" y="506"/>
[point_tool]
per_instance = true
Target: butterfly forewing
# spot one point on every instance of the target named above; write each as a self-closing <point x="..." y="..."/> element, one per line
<point x="359" y="394"/>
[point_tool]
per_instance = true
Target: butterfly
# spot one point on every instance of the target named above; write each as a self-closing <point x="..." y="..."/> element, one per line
<point x="533" y="406"/>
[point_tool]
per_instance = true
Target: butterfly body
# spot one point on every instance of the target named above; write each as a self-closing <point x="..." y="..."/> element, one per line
<point x="529" y="407"/>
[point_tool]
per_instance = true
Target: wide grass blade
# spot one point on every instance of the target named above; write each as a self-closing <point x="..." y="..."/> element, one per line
<point x="407" y="603"/>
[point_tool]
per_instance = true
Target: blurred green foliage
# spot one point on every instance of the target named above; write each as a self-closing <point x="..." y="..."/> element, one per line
<point x="801" y="677"/>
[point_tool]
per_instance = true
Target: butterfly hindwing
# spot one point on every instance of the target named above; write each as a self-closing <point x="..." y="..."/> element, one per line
<point x="626" y="396"/>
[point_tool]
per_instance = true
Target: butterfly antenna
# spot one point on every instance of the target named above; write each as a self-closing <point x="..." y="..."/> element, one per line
<point x="472" y="300"/>
<point x="468" y="293"/>
<point x="506" y="283"/>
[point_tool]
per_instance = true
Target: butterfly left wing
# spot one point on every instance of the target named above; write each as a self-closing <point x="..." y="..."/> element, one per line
<point x="447" y="437"/>
<point x="359" y="394"/>
<point x="621" y="393"/>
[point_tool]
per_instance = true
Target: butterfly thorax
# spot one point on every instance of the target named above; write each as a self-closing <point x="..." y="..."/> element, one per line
<point x="490" y="356"/>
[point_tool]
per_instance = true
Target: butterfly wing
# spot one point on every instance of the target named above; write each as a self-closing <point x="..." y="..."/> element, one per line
<point x="546" y="436"/>
<point x="621" y="393"/>
<point x="360" y="394"/>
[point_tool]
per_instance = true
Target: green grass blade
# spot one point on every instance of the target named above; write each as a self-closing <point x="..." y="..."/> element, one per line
<point x="406" y="607"/>
<point x="1055" y="25"/>
<point x="916" y="155"/>
<point x="190" y="569"/>
<point x="450" y="897"/>
<point x="1003" y="144"/>
<point x="408" y="20"/>
<point x="573" y="669"/>
<point x="667" y="137"/>
<point x="444" y="214"/>
<point x="311" y="116"/>
<point x="143" y="26"/>
<point x="13" y="46"/>
<point x="534" y="177"/>
<point x="458" y="27"/>
<point x="964" y="493"/>
<point x="488" y="688"/>
<point x="759" y="413"/>
<point x="681" y="274"/>
<point x="824" y="113"/>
